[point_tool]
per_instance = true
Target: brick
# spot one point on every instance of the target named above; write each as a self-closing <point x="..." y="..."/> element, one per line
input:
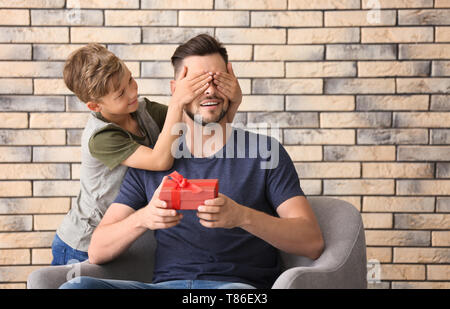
<point x="34" y="35"/>
<point x="54" y="51"/>
<point x="31" y="69"/>
<point x="420" y="285"/>
<point x="384" y="255"/>
<point x="440" y="239"/>
<point x="323" y="35"/>
<point x="289" y="52"/>
<point x="50" y="86"/>
<point x="442" y="204"/>
<point x="359" y="18"/>
<point x="320" y="69"/>
<point x="143" y="52"/>
<point x="15" y="188"/>
<point x="15" y="52"/>
<point x="47" y="222"/>
<point x="318" y="136"/>
<point x="16" y="86"/>
<point x="427" y="85"/>
<point x="323" y="4"/>
<point x="251" y="5"/>
<point x="422" y="255"/>
<point x="157" y="69"/>
<point x="398" y="204"/>
<point x="328" y="170"/>
<point x="34" y="205"/>
<point x="393" y="68"/>
<point x="440" y="137"/>
<point x="442" y="34"/>
<point x="16" y="273"/>
<point x="443" y="169"/>
<point x="392" y="136"/>
<point x="421" y="120"/>
<point x="177" y="4"/>
<point x="422" y="221"/>
<point x="423" y="153"/>
<point x="41" y="256"/>
<point x="32" y="3"/>
<point x="15" y="223"/>
<point x="359" y="85"/>
<point x="270" y="103"/>
<point x="74" y="137"/>
<point x="424" y="17"/>
<point x="15" y="154"/>
<point x="361" y="52"/>
<point x="392" y="102"/>
<point x="397" y="34"/>
<point x="287" y="86"/>
<point x="140" y="18"/>
<point x="66" y="18"/>
<point x="398" y="4"/>
<point x="311" y="187"/>
<point x="14" y="257"/>
<point x="358" y="187"/>
<point x="18" y="103"/>
<point x="320" y="103"/>
<point x="355" y="120"/>
<point x="397" y="170"/>
<point x="239" y="52"/>
<point x="26" y="239"/>
<point x="214" y="18"/>
<point x="101" y="4"/>
<point x="402" y="272"/>
<point x="161" y="35"/>
<point x="438" y="272"/>
<point x="256" y="69"/>
<point x="105" y="35"/>
<point x="251" y="36"/>
<point x="359" y="153"/>
<point x="57" y="154"/>
<point x="424" y="51"/>
<point x="442" y="4"/>
<point x="304" y="153"/>
<point x="14" y="17"/>
<point x="56" y="188"/>
<point x="440" y="102"/>
<point x="34" y="171"/>
<point x="154" y="86"/>
<point x="32" y="137"/>
<point x="75" y="171"/>
<point x="441" y="68"/>
<point x="58" y="120"/>
<point x="423" y="187"/>
<point x="397" y="238"/>
<point x="13" y="120"/>
<point x="287" y="19"/>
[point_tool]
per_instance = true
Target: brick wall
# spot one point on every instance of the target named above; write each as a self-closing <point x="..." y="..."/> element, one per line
<point x="361" y="95"/>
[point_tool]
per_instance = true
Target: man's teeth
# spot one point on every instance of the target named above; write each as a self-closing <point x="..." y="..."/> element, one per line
<point x="209" y="104"/>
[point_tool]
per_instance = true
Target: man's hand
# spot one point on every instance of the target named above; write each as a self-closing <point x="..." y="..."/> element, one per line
<point x="228" y="85"/>
<point x="155" y="215"/>
<point x="221" y="212"/>
<point x="188" y="89"/>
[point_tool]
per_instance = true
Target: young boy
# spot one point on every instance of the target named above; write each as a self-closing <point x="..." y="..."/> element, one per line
<point x="122" y="131"/>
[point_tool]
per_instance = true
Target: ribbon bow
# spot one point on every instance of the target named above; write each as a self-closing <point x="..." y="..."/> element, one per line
<point x="181" y="183"/>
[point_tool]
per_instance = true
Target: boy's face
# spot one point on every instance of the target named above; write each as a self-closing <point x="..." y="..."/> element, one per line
<point x="211" y="113"/>
<point x="121" y="101"/>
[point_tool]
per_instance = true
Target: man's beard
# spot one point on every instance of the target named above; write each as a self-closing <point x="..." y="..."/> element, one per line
<point x="199" y="119"/>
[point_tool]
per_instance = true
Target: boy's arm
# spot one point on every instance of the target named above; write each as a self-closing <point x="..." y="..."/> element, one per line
<point x="160" y="157"/>
<point x="228" y="85"/>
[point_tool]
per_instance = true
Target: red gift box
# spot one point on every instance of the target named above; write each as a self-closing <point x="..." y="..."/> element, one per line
<point x="182" y="193"/>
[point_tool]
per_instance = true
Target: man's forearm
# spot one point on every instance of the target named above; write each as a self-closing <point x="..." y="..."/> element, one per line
<point x="110" y="240"/>
<point x="298" y="235"/>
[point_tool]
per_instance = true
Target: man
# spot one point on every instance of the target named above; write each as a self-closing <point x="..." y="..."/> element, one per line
<point x="230" y="241"/>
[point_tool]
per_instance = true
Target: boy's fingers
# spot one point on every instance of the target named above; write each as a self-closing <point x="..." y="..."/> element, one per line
<point x="230" y="69"/>
<point x="199" y="76"/>
<point x="183" y="73"/>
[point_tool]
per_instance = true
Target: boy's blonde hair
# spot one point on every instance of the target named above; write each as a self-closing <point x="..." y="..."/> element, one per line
<point x="92" y="72"/>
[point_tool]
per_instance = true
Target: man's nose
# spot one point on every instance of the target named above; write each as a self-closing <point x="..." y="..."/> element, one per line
<point x="211" y="90"/>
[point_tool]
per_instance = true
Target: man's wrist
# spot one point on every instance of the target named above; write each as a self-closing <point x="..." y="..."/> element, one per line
<point x="246" y="215"/>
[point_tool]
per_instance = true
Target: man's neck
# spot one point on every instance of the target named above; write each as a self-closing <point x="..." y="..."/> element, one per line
<point x="205" y="141"/>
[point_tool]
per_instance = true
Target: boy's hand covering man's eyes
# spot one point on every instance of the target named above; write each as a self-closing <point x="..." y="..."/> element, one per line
<point x="228" y="85"/>
<point x="188" y="89"/>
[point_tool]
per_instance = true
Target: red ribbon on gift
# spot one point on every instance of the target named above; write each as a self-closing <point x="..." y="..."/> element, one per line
<point x="181" y="183"/>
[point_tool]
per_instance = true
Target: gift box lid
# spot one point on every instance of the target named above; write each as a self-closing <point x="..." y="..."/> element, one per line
<point x="209" y="189"/>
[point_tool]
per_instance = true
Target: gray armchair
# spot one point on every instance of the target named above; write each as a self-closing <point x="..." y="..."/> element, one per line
<point x="341" y="265"/>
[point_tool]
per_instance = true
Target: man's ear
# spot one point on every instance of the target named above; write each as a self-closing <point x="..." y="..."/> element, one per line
<point x="172" y="86"/>
<point x="93" y="106"/>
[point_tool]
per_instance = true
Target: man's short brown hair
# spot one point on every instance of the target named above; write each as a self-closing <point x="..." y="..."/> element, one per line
<point x="201" y="45"/>
<point x="92" y="72"/>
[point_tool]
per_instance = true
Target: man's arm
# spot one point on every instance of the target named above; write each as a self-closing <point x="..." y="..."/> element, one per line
<point x="122" y="225"/>
<point x="296" y="231"/>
